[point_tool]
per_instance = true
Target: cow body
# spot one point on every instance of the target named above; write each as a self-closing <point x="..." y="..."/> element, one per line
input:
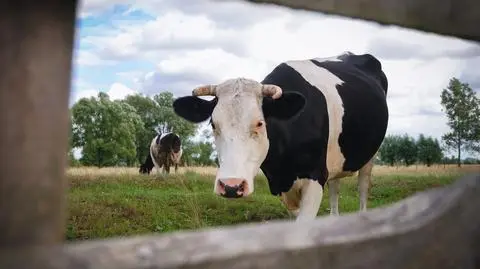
<point x="165" y="151"/>
<point x="321" y="119"/>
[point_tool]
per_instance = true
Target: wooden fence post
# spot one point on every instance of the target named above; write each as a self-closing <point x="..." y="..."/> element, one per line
<point x="36" y="42"/>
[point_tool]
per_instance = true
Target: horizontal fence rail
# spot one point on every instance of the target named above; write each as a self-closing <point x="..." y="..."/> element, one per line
<point x="434" y="229"/>
<point x="459" y="18"/>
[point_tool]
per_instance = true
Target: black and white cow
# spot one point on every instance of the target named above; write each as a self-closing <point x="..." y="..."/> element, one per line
<point x="307" y="123"/>
<point x="165" y="151"/>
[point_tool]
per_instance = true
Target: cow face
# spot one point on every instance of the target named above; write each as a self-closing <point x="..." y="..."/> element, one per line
<point x="177" y="151"/>
<point x="238" y="119"/>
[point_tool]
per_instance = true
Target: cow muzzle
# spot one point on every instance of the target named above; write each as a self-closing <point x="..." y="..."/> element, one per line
<point x="232" y="187"/>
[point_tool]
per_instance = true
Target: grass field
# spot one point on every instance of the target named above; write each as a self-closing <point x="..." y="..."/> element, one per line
<point x="119" y="202"/>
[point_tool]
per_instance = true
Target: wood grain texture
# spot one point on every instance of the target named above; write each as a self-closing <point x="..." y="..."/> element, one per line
<point x="459" y="18"/>
<point x="36" y="41"/>
<point x="438" y="229"/>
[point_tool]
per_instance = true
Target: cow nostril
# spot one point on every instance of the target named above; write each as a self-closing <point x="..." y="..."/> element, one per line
<point x="232" y="187"/>
<point x="242" y="186"/>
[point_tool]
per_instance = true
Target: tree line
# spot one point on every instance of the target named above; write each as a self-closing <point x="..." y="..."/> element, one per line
<point x="119" y="132"/>
<point x="406" y="150"/>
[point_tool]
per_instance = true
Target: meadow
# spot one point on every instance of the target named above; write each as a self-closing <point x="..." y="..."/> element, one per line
<point x="116" y="202"/>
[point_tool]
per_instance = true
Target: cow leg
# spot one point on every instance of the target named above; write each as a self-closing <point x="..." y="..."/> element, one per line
<point x="158" y="167"/>
<point x="364" y="178"/>
<point x="333" y="191"/>
<point x="176" y="167"/>
<point x="167" y="168"/>
<point x="311" y="198"/>
<point x="166" y="165"/>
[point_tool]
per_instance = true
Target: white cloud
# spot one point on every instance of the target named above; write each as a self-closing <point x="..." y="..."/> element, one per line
<point x="117" y="91"/>
<point x="196" y="44"/>
<point x="88" y="58"/>
<point x="82" y="93"/>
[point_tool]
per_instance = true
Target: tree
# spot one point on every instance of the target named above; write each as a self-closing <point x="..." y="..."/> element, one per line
<point x="205" y="157"/>
<point x="149" y="112"/>
<point x="462" y="108"/>
<point x="197" y="153"/>
<point x="157" y="116"/>
<point x="105" y="130"/>
<point x="428" y="150"/>
<point x="389" y="149"/>
<point x="168" y="121"/>
<point x="407" y="150"/>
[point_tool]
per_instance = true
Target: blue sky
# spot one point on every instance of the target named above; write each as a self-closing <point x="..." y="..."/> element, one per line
<point x="125" y="47"/>
<point x="101" y="77"/>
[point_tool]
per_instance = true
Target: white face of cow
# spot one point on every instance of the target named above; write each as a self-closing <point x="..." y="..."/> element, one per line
<point x="238" y="116"/>
<point x="240" y="136"/>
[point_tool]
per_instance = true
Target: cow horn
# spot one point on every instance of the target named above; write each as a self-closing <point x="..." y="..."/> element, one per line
<point x="205" y="90"/>
<point x="271" y="90"/>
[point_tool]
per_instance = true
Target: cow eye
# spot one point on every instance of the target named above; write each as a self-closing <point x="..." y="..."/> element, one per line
<point x="259" y="124"/>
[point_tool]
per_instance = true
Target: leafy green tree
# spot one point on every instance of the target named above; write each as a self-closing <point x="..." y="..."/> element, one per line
<point x="149" y="112"/>
<point x="197" y="153"/>
<point x="105" y="130"/>
<point x="157" y="116"/>
<point x="71" y="158"/>
<point x="169" y="121"/>
<point x="471" y="160"/>
<point x="462" y="108"/>
<point x="407" y="150"/>
<point x="428" y="150"/>
<point x="389" y="149"/>
<point x="206" y="151"/>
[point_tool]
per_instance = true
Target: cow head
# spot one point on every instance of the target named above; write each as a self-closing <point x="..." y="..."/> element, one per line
<point x="177" y="151"/>
<point x="144" y="169"/>
<point x="238" y="112"/>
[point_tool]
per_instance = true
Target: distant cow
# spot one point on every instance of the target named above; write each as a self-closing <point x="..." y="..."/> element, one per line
<point x="165" y="150"/>
<point x="307" y="123"/>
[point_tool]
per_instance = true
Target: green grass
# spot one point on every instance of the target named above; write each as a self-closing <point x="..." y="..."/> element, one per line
<point x="103" y="206"/>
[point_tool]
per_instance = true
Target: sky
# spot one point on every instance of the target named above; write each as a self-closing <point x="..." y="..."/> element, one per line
<point x="149" y="46"/>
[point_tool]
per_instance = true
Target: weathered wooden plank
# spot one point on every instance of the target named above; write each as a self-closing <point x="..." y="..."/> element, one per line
<point x="439" y="228"/>
<point x="460" y="18"/>
<point x="36" y="40"/>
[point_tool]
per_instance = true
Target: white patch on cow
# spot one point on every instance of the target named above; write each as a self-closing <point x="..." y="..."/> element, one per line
<point x="312" y="194"/>
<point x="152" y="147"/>
<point x="364" y="179"/>
<point x="163" y="135"/>
<point x="326" y="82"/>
<point x="240" y="152"/>
<point x="333" y="191"/>
<point x="176" y="156"/>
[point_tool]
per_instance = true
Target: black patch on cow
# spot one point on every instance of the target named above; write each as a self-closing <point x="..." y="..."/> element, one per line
<point x="298" y="145"/>
<point x="365" y="117"/>
<point x="193" y="108"/>
<point x="170" y="142"/>
<point x="368" y="64"/>
<point x="147" y="166"/>
<point x="289" y="105"/>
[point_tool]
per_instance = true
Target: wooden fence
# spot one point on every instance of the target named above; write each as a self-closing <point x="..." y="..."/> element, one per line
<point x="436" y="229"/>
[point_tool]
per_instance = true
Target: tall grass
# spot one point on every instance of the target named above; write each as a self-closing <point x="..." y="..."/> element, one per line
<point x="110" y="202"/>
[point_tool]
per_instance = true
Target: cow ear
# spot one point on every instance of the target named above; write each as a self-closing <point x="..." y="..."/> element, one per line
<point x="287" y="106"/>
<point x="194" y="109"/>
